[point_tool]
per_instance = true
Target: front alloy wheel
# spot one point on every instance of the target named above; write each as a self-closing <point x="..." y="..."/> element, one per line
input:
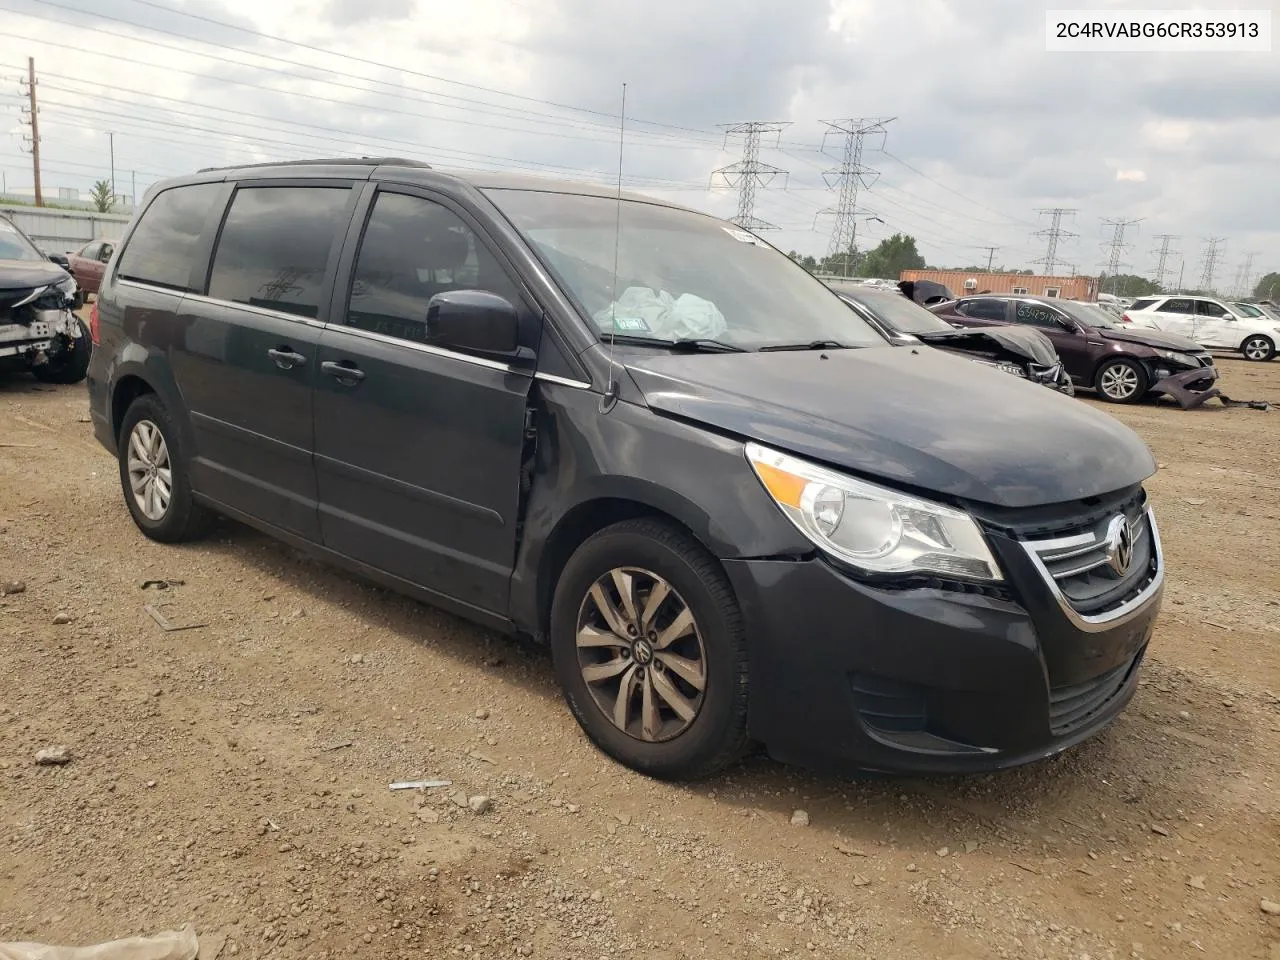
<point x="1122" y="381"/>
<point x="1258" y="348"/>
<point x="641" y="654"/>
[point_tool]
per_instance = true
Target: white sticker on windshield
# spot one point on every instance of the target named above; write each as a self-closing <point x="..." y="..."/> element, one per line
<point x="633" y="324"/>
<point x="742" y="236"/>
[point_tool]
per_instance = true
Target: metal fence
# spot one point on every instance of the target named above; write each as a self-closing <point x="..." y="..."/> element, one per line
<point x="60" y="231"/>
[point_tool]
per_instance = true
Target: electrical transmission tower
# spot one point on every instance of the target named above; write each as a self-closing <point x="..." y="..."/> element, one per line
<point x="1053" y="236"/>
<point x="1245" y="274"/>
<point x="749" y="173"/>
<point x="847" y="178"/>
<point x="1117" y="247"/>
<point x="1162" y="257"/>
<point x="1213" y="250"/>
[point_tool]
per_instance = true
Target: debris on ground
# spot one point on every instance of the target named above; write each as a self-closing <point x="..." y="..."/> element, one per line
<point x="165" y="624"/>
<point x="62" y="618"/>
<point x="53" y="756"/>
<point x="172" y="945"/>
<point x="161" y="584"/>
<point x="12" y="587"/>
<point x="800" y="818"/>
<point x="420" y="784"/>
<point x="1270" y="908"/>
<point x="479" y="804"/>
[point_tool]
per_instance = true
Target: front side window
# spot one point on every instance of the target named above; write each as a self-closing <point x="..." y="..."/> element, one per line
<point x="275" y="246"/>
<point x="412" y="249"/>
<point x="91" y="250"/>
<point x="1177" y="305"/>
<point x="162" y="247"/>
<point x="986" y="309"/>
<point x="680" y="275"/>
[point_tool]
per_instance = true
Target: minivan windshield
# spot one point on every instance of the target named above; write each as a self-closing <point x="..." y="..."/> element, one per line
<point x="681" y="276"/>
<point x="14" y="245"/>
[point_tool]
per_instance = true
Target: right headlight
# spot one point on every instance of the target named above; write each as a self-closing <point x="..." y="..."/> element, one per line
<point x="873" y="528"/>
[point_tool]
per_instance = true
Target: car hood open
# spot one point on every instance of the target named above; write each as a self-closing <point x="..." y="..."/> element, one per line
<point x="29" y="274"/>
<point x="915" y="418"/>
<point x="1151" y="338"/>
<point x="1026" y="343"/>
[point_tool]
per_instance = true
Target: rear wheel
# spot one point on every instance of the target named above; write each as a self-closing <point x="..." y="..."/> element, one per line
<point x="71" y="363"/>
<point x="153" y="475"/>
<point x="1258" y="348"/>
<point x="1122" y="381"/>
<point x="649" y="648"/>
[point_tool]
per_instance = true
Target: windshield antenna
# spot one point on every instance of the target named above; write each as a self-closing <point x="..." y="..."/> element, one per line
<point x="610" y="392"/>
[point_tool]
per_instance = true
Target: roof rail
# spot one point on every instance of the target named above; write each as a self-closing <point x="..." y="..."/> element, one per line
<point x="354" y="161"/>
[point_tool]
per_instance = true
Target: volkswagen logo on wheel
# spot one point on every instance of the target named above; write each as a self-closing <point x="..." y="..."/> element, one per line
<point x="1120" y="546"/>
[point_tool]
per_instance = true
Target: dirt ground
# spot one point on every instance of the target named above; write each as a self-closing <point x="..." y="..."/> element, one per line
<point x="235" y="775"/>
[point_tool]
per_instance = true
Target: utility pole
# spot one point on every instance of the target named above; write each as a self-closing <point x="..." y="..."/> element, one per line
<point x="1182" y="266"/>
<point x="1053" y="235"/>
<point x="33" y="121"/>
<point x="991" y="256"/>
<point x="111" y="139"/>
<point x="847" y="178"/>
<point x="1162" y="257"/>
<point x="749" y="173"/>
<point x="1211" y="254"/>
<point x="1118" y="247"/>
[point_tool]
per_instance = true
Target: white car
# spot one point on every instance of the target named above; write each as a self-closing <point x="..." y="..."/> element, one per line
<point x="1216" y="324"/>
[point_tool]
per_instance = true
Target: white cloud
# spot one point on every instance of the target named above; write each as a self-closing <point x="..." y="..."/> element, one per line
<point x="1131" y="176"/>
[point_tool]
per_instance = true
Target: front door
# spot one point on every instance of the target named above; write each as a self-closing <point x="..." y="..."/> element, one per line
<point x="245" y="356"/>
<point x="1070" y="342"/>
<point x="1215" y="326"/>
<point x="419" y="449"/>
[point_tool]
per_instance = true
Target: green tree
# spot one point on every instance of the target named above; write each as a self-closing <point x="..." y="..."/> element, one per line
<point x="890" y="257"/>
<point x="805" y="260"/>
<point x="841" y="264"/>
<point x="102" y="197"/>
<point x="1268" y="287"/>
<point x="1127" y="285"/>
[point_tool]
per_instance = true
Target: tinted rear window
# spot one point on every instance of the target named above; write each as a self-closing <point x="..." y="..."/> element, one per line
<point x="1142" y="304"/>
<point x="275" y="245"/>
<point x="163" y="243"/>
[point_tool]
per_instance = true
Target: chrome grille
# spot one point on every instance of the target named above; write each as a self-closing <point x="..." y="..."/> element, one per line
<point x="1107" y="570"/>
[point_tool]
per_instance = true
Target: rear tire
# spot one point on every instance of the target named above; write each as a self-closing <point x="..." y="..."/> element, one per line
<point x="154" y="477"/>
<point x="71" y="363"/>
<point x="1122" y="381"/>
<point x="683" y="714"/>
<point x="1258" y="348"/>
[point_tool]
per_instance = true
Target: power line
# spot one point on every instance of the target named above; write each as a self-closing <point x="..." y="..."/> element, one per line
<point x="1053" y="235"/>
<point x="847" y="178"/>
<point x="921" y="173"/>
<point x="1117" y="247"/>
<point x="1213" y="250"/>
<point x="749" y="172"/>
<point x="1162" y="261"/>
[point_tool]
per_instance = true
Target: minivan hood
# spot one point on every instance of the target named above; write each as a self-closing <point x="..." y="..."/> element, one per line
<point x="915" y="418"/>
<point x="1151" y="338"/>
<point x="29" y="274"/>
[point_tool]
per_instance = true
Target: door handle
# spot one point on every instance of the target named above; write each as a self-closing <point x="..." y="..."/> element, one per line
<point x="286" y="358"/>
<point x="346" y="373"/>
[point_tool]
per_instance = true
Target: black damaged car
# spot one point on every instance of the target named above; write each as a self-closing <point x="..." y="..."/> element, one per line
<point x="1021" y="352"/>
<point x="39" y="330"/>
<point x="644" y="437"/>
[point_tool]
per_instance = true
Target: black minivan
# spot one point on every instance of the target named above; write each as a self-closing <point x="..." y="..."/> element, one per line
<point x="644" y="436"/>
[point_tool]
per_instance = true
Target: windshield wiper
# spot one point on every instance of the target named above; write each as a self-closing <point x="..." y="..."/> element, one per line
<point x="691" y="345"/>
<point x="810" y="345"/>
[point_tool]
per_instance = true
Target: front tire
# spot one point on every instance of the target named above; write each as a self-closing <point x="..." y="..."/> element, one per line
<point x="71" y="363"/>
<point x="1122" y="381"/>
<point x="649" y="647"/>
<point x="154" y="477"/>
<point x="1258" y="348"/>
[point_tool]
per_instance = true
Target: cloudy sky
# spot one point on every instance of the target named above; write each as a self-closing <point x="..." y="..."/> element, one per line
<point x="987" y="127"/>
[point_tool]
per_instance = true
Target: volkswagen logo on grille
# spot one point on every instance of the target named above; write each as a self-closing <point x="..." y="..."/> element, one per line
<point x="1120" y="545"/>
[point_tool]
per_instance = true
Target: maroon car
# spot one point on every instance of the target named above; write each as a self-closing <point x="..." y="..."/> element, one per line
<point x="1123" y="363"/>
<point x="88" y="264"/>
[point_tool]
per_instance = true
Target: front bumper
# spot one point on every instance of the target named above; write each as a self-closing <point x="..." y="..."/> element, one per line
<point x="846" y="676"/>
<point x="1190" y="388"/>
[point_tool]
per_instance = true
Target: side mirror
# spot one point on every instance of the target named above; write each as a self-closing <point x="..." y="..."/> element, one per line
<point x="474" y="321"/>
<point x="61" y="260"/>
